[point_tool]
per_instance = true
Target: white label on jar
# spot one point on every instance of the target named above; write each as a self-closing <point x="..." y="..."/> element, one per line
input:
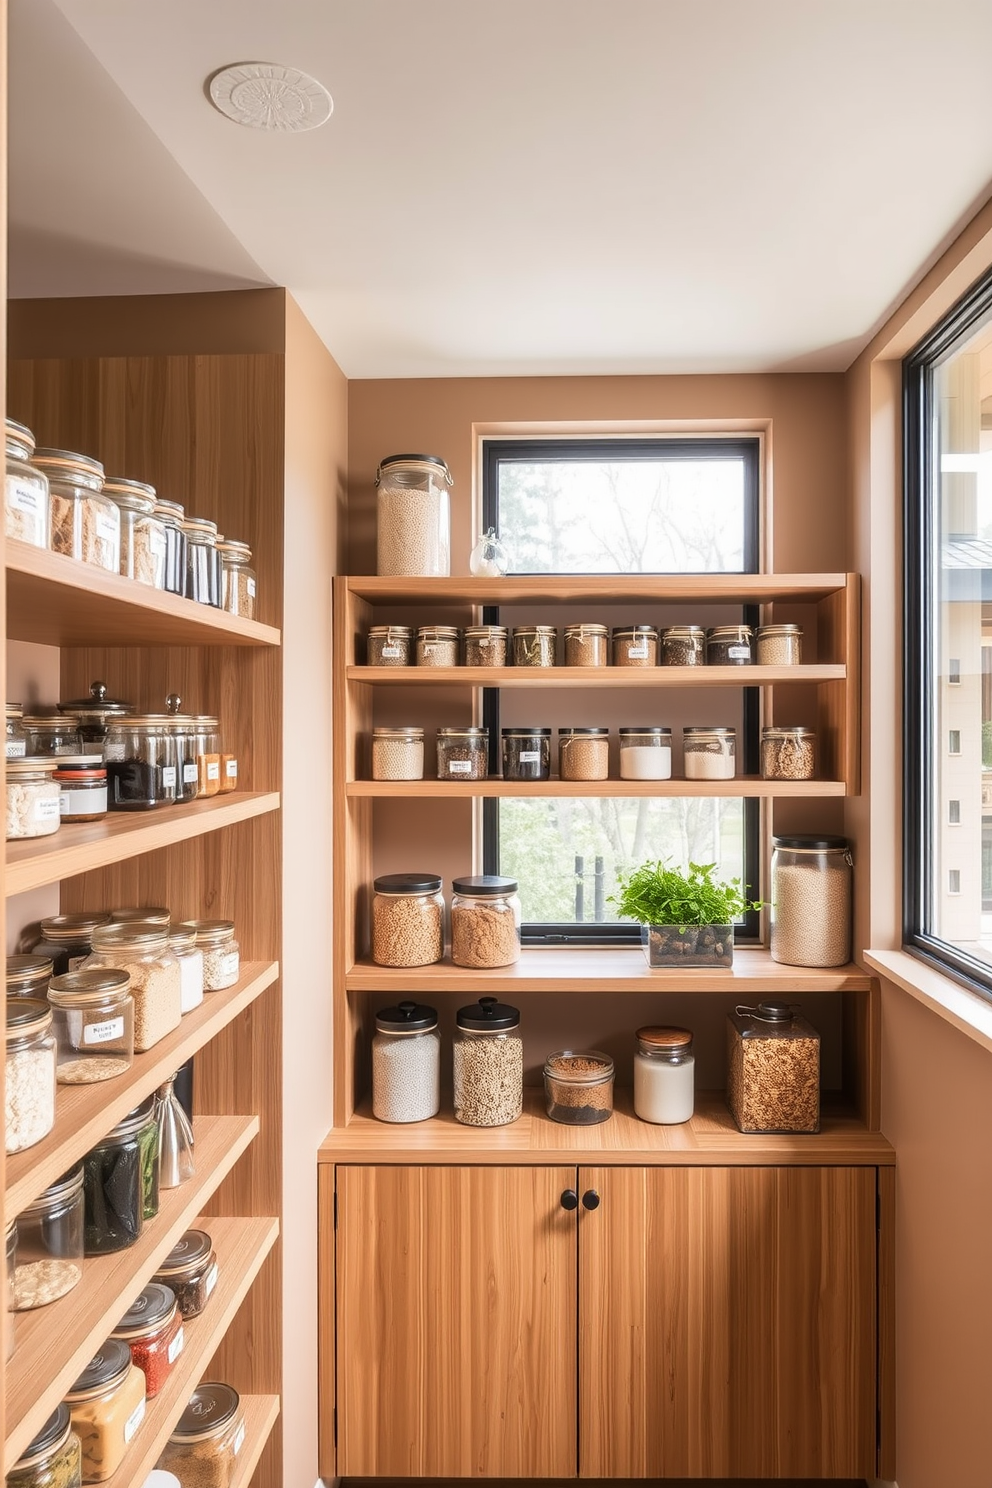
<point x="213" y="770"/>
<point x="83" y="802"/>
<point x="176" y="1347"/>
<point x="393" y="652"/>
<point x="16" y="748"/>
<point x="428" y="650"/>
<point x="134" y="1420"/>
<point x="239" y="1437"/>
<point x="739" y="653"/>
<point x="459" y="767"/>
<point x="231" y="769"/>
<point x="25" y="498"/>
<point x="104" y="1032"/>
<point x="189" y="774"/>
<point x="230" y="965"/>
<point x="46" y="809"/>
<point x="250" y="587"/>
<point x="108" y="526"/>
<point x="530" y="756"/>
<point x="169" y="777"/>
<point x="638" y="653"/>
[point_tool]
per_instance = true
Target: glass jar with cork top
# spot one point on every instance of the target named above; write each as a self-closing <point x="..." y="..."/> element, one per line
<point x="25" y="489"/>
<point x="85" y="523"/>
<point x="93" y="1022"/>
<point x="238" y="581"/>
<point x="142" y="950"/>
<point x="221" y="952"/>
<point x="66" y="939"/>
<point x="664" y="1071"/>
<point x="143" y="546"/>
<point x="413" y="520"/>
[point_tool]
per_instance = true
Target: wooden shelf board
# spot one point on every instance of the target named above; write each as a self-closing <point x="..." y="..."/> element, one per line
<point x="602" y="969"/>
<point x="241" y="1246"/>
<point x="84" y="846"/>
<point x="741" y="785"/>
<point x="54" y="1344"/>
<point x="260" y="1413"/>
<point x="576" y="589"/>
<point x="56" y="601"/>
<point x="598" y="677"/>
<point x="85" y="1113"/>
<point x="709" y="1139"/>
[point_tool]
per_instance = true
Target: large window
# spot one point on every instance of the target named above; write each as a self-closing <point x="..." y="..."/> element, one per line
<point x="948" y="614"/>
<point x="619" y="506"/>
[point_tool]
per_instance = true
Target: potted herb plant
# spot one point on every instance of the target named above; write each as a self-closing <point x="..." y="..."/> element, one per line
<point x="686" y="918"/>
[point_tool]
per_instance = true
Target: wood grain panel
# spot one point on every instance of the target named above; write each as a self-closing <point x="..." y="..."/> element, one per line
<point x="454" y="790"/>
<point x="571" y="589"/>
<point x="886" y="1323"/>
<point x="456" y="1340"/>
<point x="326" y="1323"/>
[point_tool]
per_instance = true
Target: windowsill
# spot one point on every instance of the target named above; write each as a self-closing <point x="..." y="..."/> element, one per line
<point x="956" y="1004"/>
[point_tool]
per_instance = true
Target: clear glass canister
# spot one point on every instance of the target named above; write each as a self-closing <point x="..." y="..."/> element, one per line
<point x="584" y="753"/>
<point x="32" y="798"/>
<point x="17" y="739"/>
<point x="221" y="952"/>
<point x="709" y="752"/>
<point x="729" y="645"/>
<point x="120" y="1183"/>
<point x="152" y="1328"/>
<point x="413" y="522"/>
<point x="29" y="975"/>
<point x="140" y="757"/>
<point x="406" y="1063"/>
<point x="30" y="1073"/>
<point x="82" y="783"/>
<point x="534" y="645"/>
<point x="85" y="524"/>
<point x="52" y="734"/>
<point x="389" y="645"/>
<point x="587" y="645"/>
<point x="206" y="742"/>
<point x="683" y="645"/>
<point x="172" y="516"/>
<point x="142" y="531"/>
<point x="578" y="1087"/>
<point x="485" y="645"/>
<point x="811" y="883"/>
<point x="462" y="753"/>
<point x="203" y="1450"/>
<point x="526" y="753"/>
<point x="788" y="753"/>
<point x="182" y="728"/>
<point x="397" y="754"/>
<point x="190" y="1269"/>
<point x="664" y="1075"/>
<point x="93" y="1023"/>
<point x="780" y="645"/>
<point x="107" y="1403"/>
<point x="437" y="645"/>
<point x="66" y="939"/>
<point x="142" y="950"/>
<point x="485" y="921"/>
<point x="53" y="1459"/>
<point x="646" y="753"/>
<point x="203" y="566"/>
<point x="488" y="1055"/>
<point x="182" y="939"/>
<point x="407" y="920"/>
<point x="91" y="715"/>
<point x="50" y="1243"/>
<point x="773" y="1069"/>
<point x="635" y="646"/>
<point x="238" y="581"/>
<point x="25" y="490"/>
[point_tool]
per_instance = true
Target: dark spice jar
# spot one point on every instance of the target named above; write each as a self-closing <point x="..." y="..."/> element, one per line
<point x="526" y="753"/>
<point x="152" y="1328"/>
<point x="729" y="645"/>
<point x="53" y="1460"/>
<point x="120" y="1182"/>
<point x="190" y="1269"/>
<point x="66" y="939"/>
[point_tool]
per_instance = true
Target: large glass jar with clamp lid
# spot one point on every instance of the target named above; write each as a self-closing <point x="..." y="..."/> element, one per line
<point x="413" y="524"/>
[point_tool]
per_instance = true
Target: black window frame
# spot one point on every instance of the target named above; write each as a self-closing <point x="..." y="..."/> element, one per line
<point x="744" y="447"/>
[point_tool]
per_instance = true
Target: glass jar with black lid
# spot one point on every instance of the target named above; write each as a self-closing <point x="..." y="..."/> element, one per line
<point x="66" y="939"/>
<point x="488" y="1064"/>
<point x="208" y="1437"/>
<point x="53" y="1459"/>
<point x="107" y="1402"/>
<point x="526" y="753"/>
<point x="29" y="975"/>
<point x="406" y="1063"/>
<point x="93" y="713"/>
<point x="190" y="1270"/>
<point x="485" y="921"/>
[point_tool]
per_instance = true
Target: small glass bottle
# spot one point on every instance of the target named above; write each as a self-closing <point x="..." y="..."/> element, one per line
<point x="142" y="532"/>
<point x="107" y="1402"/>
<point x="142" y="950"/>
<point x="413" y="519"/>
<point x="635" y="645"/>
<point x="646" y="753"/>
<point x="406" y="1063"/>
<point x="729" y="645"/>
<point x="182" y="939"/>
<point x="811" y="883"/>
<point x="788" y="753"/>
<point x="221" y="952"/>
<point x="664" y="1074"/>
<point x="30" y="1073"/>
<point x="25" y="489"/>
<point x="526" y="753"/>
<point x="17" y="739"/>
<point x="29" y="975"/>
<point x="534" y="645"/>
<point x="683" y="645"/>
<point x="397" y="754"/>
<point x="485" y="921"/>
<point x="488" y="1056"/>
<point x="780" y="645"/>
<point x="203" y="567"/>
<point x="32" y="798"/>
<point x="484" y="645"/>
<point x="437" y="645"/>
<point x="190" y="1269"/>
<point x="66" y="939"/>
<point x="85" y="524"/>
<point x="407" y="920"/>
<point x="53" y="1459"/>
<point x="82" y="783"/>
<point x="587" y="645"/>
<point x="584" y="753"/>
<point x="238" y="582"/>
<point x="462" y="753"/>
<point x="50" y="1243"/>
<point x="152" y="1328"/>
<point x="389" y="645"/>
<point x="203" y="1449"/>
<point x="93" y="1022"/>
<point x="709" y="752"/>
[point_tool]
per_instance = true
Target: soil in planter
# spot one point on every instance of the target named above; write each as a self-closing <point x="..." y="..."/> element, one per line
<point x="695" y="945"/>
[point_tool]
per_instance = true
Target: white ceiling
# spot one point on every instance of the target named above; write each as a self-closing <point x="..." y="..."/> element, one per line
<point x="513" y="186"/>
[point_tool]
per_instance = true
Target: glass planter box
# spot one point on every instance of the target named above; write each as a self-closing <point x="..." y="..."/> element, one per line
<point x="670" y="947"/>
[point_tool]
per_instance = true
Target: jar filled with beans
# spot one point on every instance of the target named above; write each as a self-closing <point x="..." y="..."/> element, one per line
<point x="485" y="645"/>
<point x="534" y="645"/>
<point x="437" y="645"/>
<point x="635" y="646"/>
<point x="406" y="1063"/>
<point x="407" y="919"/>
<point x="389" y="645"/>
<point x="780" y="645"/>
<point x="587" y="645"/>
<point x="788" y="753"/>
<point x="811" y="881"/>
<point x="462" y="753"/>
<point x="683" y="645"/>
<point x="397" y="754"/>
<point x="584" y="753"/>
<point x="729" y="645"/>
<point x="488" y="1059"/>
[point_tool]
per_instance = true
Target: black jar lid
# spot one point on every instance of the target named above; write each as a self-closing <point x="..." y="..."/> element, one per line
<point x="645" y="728"/>
<point x="596" y="733"/>
<point x="484" y="884"/>
<point x="775" y="1012"/>
<point x="520" y="731"/>
<point x="148" y="1310"/>
<point x="113" y="1360"/>
<point x="632" y="630"/>
<point x="188" y="1252"/>
<point x="52" y="1434"/>
<point x="488" y="1016"/>
<point x="407" y="1017"/>
<point x="808" y="843"/>
<point x="211" y="1406"/>
<point x="407" y="883"/>
<point x="97" y="705"/>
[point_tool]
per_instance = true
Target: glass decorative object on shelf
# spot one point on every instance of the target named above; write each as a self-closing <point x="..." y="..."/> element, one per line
<point x="489" y="558"/>
<point x="175" y="1138"/>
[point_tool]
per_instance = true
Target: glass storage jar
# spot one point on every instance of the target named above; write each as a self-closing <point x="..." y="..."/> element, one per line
<point x="66" y="939"/>
<point x="203" y="568"/>
<point x="32" y="798"/>
<point x="142" y="950"/>
<point x="238" y="581"/>
<point x="30" y="1073"/>
<point x="406" y="1063"/>
<point x="389" y="645"/>
<point x="52" y="734"/>
<point x="140" y="757"/>
<point x="578" y="1087"/>
<point x="587" y="645"/>
<point x="190" y="1270"/>
<point x="397" y="754"/>
<point x="584" y="753"/>
<point x="17" y="739"/>
<point x="85" y="524"/>
<point x="152" y="1328"/>
<point x="526" y="753"/>
<point x="635" y="645"/>
<point x="413" y="521"/>
<point x="488" y="1055"/>
<point x="407" y="920"/>
<point x="182" y="939"/>
<point x="203" y="1449"/>
<point x="182" y="732"/>
<point x="29" y="975"/>
<point x="462" y="753"/>
<point x="221" y="952"/>
<point x="53" y="1459"/>
<point x="664" y="1075"/>
<point x="437" y="645"/>
<point x="811" y="882"/>
<point x="25" y="489"/>
<point x="93" y="713"/>
<point x="172" y="516"/>
<point x="645" y="753"/>
<point x="142" y="532"/>
<point x="779" y="645"/>
<point x="82" y="783"/>
<point x="484" y="645"/>
<point x="93" y="1023"/>
<point x="107" y="1403"/>
<point x="729" y="645"/>
<point x="149" y="914"/>
<point x="788" y="753"/>
<point x="773" y="1069"/>
<point x="485" y="921"/>
<point x="50" y="1243"/>
<point x="533" y="645"/>
<point x="683" y="645"/>
<point x="709" y="752"/>
<point x="114" y="1185"/>
<point x="206" y="742"/>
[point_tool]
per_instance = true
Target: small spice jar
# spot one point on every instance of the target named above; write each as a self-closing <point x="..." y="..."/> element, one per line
<point x="142" y="950"/>
<point x="203" y="567"/>
<point x="53" y="1459"/>
<point x="30" y="1073"/>
<point x="584" y="753"/>
<point x="526" y="753"/>
<point x="107" y="1403"/>
<point x="203" y="1449"/>
<point x="811" y="884"/>
<point x="29" y="975"/>
<point x="779" y="645"/>
<point x="238" y="582"/>
<point x="32" y="798"/>
<point x="587" y="645"/>
<point x="221" y="952"/>
<point x="190" y="1269"/>
<point x="788" y="753"/>
<point x="85" y="524"/>
<point x="406" y="1063"/>
<point x="142" y="531"/>
<point x="172" y="516"/>
<point x="228" y="772"/>
<point x="82" y="783"/>
<point x="485" y="921"/>
<point x="152" y="1328"/>
<point x="206" y="745"/>
<point x="17" y="739"/>
<point x="389" y="645"/>
<point x="92" y="714"/>
<point x="578" y="1087"/>
<point x="728" y="645"/>
<point x="182" y="941"/>
<point x="484" y="645"/>
<point x="52" y="734"/>
<point x="646" y="753"/>
<point x="773" y="1069"/>
<point x="407" y="920"/>
<point x="437" y="645"/>
<point x="50" y="1243"/>
<point x="182" y="781"/>
<point x="139" y="752"/>
<point x="664" y="1075"/>
<point x="462" y="753"/>
<point x="113" y="1186"/>
<point x="488" y="1054"/>
<point x="533" y="645"/>
<point x="709" y="752"/>
<point x="683" y="645"/>
<point x="66" y="939"/>
<point x="413" y="519"/>
<point x="25" y="489"/>
<point x="397" y="754"/>
<point x="93" y="1023"/>
<point x="635" y="646"/>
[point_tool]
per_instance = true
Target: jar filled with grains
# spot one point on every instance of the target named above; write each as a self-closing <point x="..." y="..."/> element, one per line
<point x="203" y="566"/>
<point x="152" y="1328"/>
<point x="773" y="1069"/>
<point x="203" y="1449"/>
<point x="29" y="975"/>
<point x="82" y="783"/>
<point x="534" y="645"/>
<point x="30" y="1073"/>
<point x="50" y="1243"/>
<point x="397" y="754"/>
<point x="32" y="798"/>
<point x="406" y="1063"/>
<point x="578" y="1087"/>
<point x="635" y="646"/>
<point x="488" y="1055"/>
<point x="788" y="753"/>
<point x="85" y="523"/>
<point x="107" y="1403"/>
<point x="485" y="645"/>
<point x="683" y="645"/>
<point x="586" y="645"/>
<point x="485" y="921"/>
<point x="584" y="753"/>
<point x="25" y="490"/>
<point x="413" y="520"/>
<point x="182" y="939"/>
<point x="389" y="645"/>
<point x="407" y="920"/>
<point x="53" y="1459"/>
<point x="780" y="645"/>
<point x="190" y="1270"/>
<point x="526" y="753"/>
<point x="93" y="1023"/>
<point x="143" y="951"/>
<point x="811" y="883"/>
<point x="646" y="753"/>
<point x="221" y="952"/>
<point x="664" y="1073"/>
<point x="16" y="746"/>
<point x="709" y="752"/>
<point x="462" y="753"/>
<point x="142" y="532"/>
<point x="172" y="516"/>
<point x="238" y="581"/>
<point x="729" y="645"/>
<point x="66" y="939"/>
<point x="437" y="645"/>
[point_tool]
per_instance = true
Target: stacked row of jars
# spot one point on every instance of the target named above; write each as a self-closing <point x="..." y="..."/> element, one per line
<point x="408" y="920"/>
<point x="487" y="1058"/>
<point x="64" y="501"/>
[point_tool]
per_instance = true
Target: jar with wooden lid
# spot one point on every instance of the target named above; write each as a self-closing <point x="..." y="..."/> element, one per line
<point x="142" y="950"/>
<point x="635" y="645"/>
<point x="437" y="645"/>
<point x="172" y="515"/>
<point x="238" y="580"/>
<point x="407" y="919"/>
<point x="52" y="733"/>
<point x="152" y="1328"/>
<point x="93" y="1022"/>
<point x="462" y="753"/>
<point x="485" y="921"/>
<point x="773" y="1069"/>
<point x="488" y="1060"/>
<point x="485" y="645"/>
<point x="587" y="645"/>
<point x="93" y="714"/>
<point x="53" y="1459"/>
<point x="28" y="975"/>
<point x="780" y="645"/>
<point x="683" y="645"/>
<point x="85" y="523"/>
<point x="32" y="798"/>
<point x="66" y="939"/>
<point x="389" y="645"/>
<point x="203" y="1449"/>
<point x="82" y="783"/>
<point x="182" y="939"/>
<point x="811" y="903"/>
<point x="30" y="1073"/>
<point x="190" y="1271"/>
<point x="398" y="753"/>
<point x="50" y="1243"/>
<point x="664" y="1075"/>
<point x="709" y="752"/>
<point x="406" y="1063"/>
<point x="413" y="519"/>
<point x="533" y="645"/>
<point x="140" y="756"/>
<point x="729" y="645"/>
<point x="788" y="753"/>
<point x="17" y="739"/>
<point x="203" y="568"/>
<point x="221" y="952"/>
<point x="107" y="1403"/>
<point x="26" y="499"/>
<point x="142" y="532"/>
<point x="584" y="753"/>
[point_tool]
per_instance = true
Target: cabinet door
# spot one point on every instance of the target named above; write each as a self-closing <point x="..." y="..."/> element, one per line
<point x="456" y="1333"/>
<point x="727" y="1322"/>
